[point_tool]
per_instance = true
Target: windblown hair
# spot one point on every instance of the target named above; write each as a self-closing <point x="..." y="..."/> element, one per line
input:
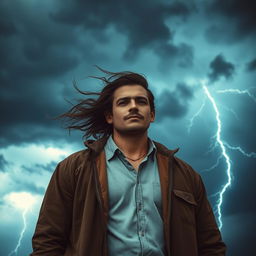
<point x="89" y="114"/>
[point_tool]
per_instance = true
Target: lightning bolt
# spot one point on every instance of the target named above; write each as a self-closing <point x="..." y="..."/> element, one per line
<point x="231" y="111"/>
<point x="191" y="120"/>
<point x="23" y="201"/>
<point x="251" y="154"/>
<point x="214" y="166"/>
<point x="237" y="91"/>
<point x="220" y="142"/>
<point x="223" y="151"/>
<point x="15" y="251"/>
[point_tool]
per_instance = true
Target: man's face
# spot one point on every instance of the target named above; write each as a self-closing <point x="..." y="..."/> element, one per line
<point x="131" y="111"/>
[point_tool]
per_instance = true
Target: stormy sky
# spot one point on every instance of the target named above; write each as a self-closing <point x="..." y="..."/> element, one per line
<point x="179" y="46"/>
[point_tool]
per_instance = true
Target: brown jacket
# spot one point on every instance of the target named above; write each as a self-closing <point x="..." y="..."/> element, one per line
<point x="74" y="213"/>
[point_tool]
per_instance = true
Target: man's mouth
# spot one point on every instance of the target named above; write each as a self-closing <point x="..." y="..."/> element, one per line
<point x="134" y="116"/>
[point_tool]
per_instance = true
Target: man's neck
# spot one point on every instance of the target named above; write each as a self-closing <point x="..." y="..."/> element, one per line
<point x="132" y="145"/>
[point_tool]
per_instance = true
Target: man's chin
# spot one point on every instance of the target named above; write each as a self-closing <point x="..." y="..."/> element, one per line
<point x="132" y="131"/>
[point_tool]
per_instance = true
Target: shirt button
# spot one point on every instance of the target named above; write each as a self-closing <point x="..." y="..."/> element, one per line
<point x="140" y="207"/>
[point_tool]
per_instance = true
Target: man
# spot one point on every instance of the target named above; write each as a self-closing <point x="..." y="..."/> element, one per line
<point x="125" y="194"/>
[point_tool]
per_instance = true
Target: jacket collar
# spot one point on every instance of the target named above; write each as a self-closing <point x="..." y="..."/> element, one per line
<point x="96" y="146"/>
<point x="164" y="150"/>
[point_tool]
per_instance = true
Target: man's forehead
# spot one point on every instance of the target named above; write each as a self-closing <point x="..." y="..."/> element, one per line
<point x="130" y="91"/>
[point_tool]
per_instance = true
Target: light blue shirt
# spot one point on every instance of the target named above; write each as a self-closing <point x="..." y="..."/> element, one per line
<point x="135" y="225"/>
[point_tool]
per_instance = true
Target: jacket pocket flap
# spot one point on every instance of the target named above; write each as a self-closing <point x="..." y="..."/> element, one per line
<point x="186" y="196"/>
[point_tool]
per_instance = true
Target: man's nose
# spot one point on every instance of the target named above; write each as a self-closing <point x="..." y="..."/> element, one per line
<point x="133" y="104"/>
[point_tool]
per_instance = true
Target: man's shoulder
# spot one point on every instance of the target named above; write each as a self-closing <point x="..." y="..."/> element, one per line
<point x="92" y="150"/>
<point x="185" y="166"/>
<point x="179" y="163"/>
<point x="76" y="158"/>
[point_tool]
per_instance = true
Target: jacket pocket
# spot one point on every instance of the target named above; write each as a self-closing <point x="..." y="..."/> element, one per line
<point x="184" y="207"/>
<point x="186" y="196"/>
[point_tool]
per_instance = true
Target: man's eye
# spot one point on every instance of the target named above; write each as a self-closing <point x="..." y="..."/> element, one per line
<point x="122" y="102"/>
<point x="143" y="102"/>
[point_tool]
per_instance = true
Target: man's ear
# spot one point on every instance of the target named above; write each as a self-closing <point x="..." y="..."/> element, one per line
<point x="108" y="117"/>
<point x="152" y="117"/>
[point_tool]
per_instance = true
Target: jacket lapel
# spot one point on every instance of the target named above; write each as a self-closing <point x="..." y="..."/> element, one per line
<point x="102" y="174"/>
<point x="163" y="162"/>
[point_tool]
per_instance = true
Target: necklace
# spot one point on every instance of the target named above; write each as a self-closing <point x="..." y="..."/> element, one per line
<point x="135" y="159"/>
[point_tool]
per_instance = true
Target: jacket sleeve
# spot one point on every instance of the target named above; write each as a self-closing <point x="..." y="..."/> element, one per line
<point x="209" y="238"/>
<point x="53" y="226"/>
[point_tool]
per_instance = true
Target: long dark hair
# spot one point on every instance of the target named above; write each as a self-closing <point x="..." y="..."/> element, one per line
<point x="89" y="114"/>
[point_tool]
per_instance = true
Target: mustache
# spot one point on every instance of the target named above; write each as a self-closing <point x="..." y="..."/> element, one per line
<point x="133" y="115"/>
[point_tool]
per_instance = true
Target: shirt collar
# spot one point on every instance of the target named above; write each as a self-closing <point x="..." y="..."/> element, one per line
<point x="111" y="148"/>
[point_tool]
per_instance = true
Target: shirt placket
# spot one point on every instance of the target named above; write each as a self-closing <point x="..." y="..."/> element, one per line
<point x="140" y="213"/>
<point x="140" y="210"/>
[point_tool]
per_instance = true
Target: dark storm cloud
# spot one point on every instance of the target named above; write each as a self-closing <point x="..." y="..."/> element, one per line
<point x="220" y="68"/>
<point x="34" y="49"/>
<point x="239" y="234"/>
<point x="50" y="167"/>
<point x="33" y="56"/>
<point x="37" y="168"/>
<point x="3" y="163"/>
<point x="28" y="119"/>
<point x="183" y="53"/>
<point x="40" y="46"/>
<point x="7" y="28"/>
<point x="143" y="27"/>
<point x="27" y="186"/>
<point x="239" y="19"/>
<point x="244" y="185"/>
<point x="251" y="66"/>
<point x="174" y="103"/>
